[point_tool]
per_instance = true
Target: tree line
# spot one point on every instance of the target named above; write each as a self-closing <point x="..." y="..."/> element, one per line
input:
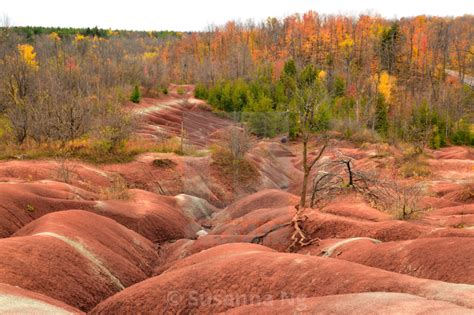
<point x="383" y="78"/>
<point x="387" y="76"/>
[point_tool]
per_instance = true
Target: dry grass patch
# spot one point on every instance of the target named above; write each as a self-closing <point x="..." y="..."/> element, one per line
<point x="118" y="190"/>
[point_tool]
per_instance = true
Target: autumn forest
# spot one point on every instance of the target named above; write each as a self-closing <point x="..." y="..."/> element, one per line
<point x="408" y="79"/>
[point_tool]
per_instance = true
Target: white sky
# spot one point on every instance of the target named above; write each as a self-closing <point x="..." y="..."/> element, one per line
<point x="183" y="15"/>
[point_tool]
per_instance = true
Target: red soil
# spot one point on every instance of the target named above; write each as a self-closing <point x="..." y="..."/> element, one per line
<point x="457" y="153"/>
<point x="226" y="276"/>
<point x="270" y="198"/>
<point x="172" y="252"/>
<point x="158" y="218"/>
<point x="358" y="304"/>
<point x="187" y="175"/>
<point x="168" y="224"/>
<point x="15" y="300"/>
<point x="80" y="174"/>
<point x="422" y="258"/>
<point x="21" y="203"/>
<point x="175" y="116"/>
<point x="199" y="177"/>
<point x="270" y="226"/>
<point x="355" y="207"/>
<point x="76" y="257"/>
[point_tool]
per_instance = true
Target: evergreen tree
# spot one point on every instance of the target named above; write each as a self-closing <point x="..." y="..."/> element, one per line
<point x="136" y="96"/>
<point x="381" y="116"/>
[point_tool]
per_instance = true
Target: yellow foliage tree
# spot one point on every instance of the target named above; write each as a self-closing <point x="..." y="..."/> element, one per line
<point x="79" y="37"/>
<point x="347" y="43"/>
<point x="54" y="36"/>
<point x="150" y="55"/>
<point x="28" y="55"/>
<point x="385" y="86"/>
<point x="322" y="75"/>
<point x="110" y="32"/>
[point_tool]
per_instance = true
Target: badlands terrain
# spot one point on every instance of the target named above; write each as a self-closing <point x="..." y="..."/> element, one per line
<point x="172" y="233"/>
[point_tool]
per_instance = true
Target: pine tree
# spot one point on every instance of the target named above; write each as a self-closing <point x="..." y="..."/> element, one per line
<point x="136" y="96"/>
<point x="381" y="116"/>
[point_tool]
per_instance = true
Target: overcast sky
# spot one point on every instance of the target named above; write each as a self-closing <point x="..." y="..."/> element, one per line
<point x="184" y="15"/>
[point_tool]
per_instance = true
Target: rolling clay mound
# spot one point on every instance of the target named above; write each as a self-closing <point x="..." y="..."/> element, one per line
<point x="461" y="210"/>
<point x="268" y="198"/>
<point x="429" y="202"/>
<point x="15" y="300"/>
<point x="324" y="226"/>
<point x="443" y="188"/>
<point x="444" y="259"/>
<point x="215" y="280"/>
<point x="156" y="217"/>
<point x="170" y="174"/>
<point x="461" y="222"/>
<point x="267" y="226"/>
<point x="273" y="163"/>
<point x="458" y="171"/>
<point x="459" y="216"/>
<point x="175" y="116"/>
<point x="50" y="266"/>
<point x="76" y="257"/>
<point x="457" y="153"/>
<point x="172" y="252"/>
<point x="78" y="174"/>
<point x="357" y="304"/>
<point x="465" y="194"/>
<point x="355" y="207"/>
<point x="21" y="203"/>
<point x="251" y="222"/>
<point x="271" y="227"/>
<point x="123" y="248"/>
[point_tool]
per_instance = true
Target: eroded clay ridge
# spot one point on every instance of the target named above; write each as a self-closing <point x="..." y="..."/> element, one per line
<point x="179" y="236"/>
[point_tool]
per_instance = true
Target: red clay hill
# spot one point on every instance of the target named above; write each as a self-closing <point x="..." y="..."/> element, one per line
<point x="170" y="233"/>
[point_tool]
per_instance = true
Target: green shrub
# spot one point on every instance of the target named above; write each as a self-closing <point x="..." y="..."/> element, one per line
<point x="201" y="92"/>
<point x="322" y="118"/>
<point x="462" y="134"/>
<point x="165" y="91"/>
<point x="262" y="120"/>
<point x="339" y="87"/>
<point x="181" y="91"/>
<point x="438" y="140"/>
<point x="136" y="96"/>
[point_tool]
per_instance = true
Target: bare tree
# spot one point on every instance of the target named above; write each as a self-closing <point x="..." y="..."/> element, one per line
<point x="309" y="99"/>
<point x="309" y="96"/>
<point x="340" y="175"/>
<point x="18" y="93"/>
<point x="66" y="170"/>
<point x="400" y="198"/>
<point x="238" y="141"/>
